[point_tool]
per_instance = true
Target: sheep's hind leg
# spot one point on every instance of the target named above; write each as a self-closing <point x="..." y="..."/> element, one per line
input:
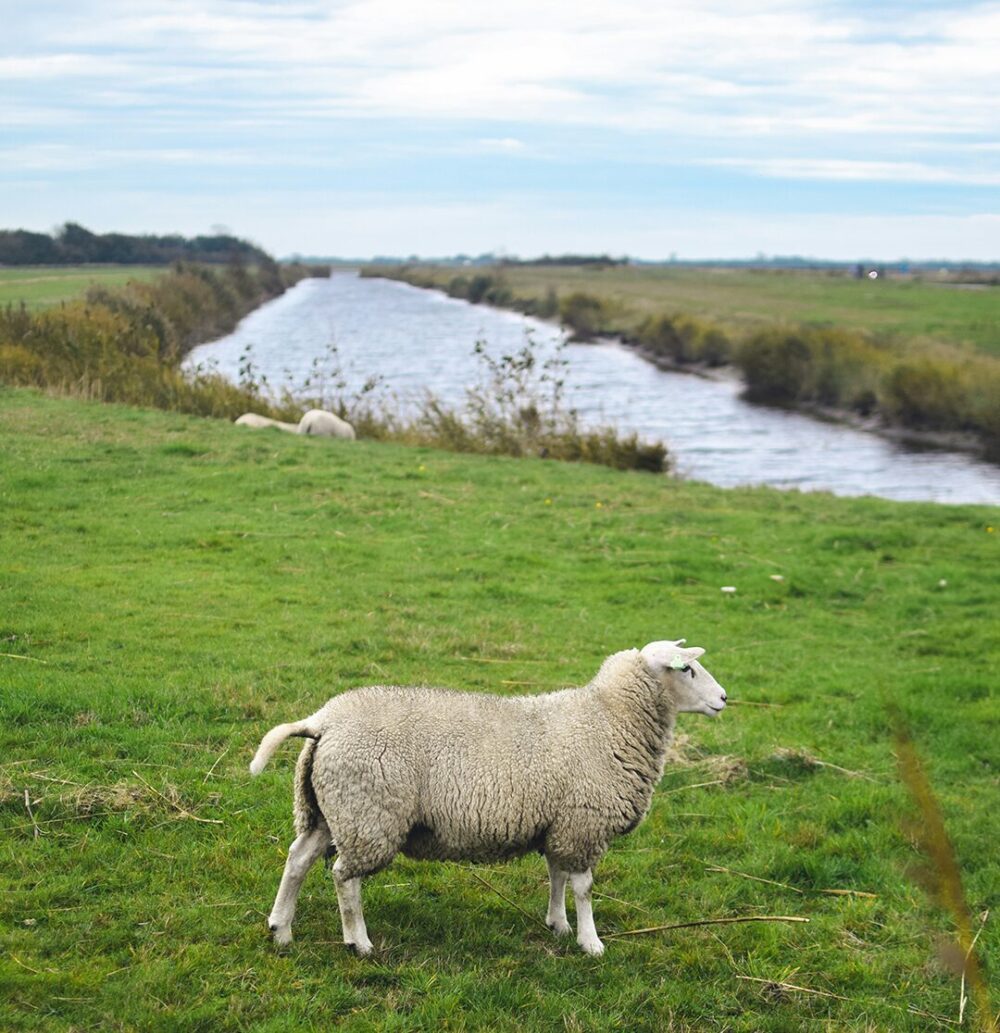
<point x="555" y="919"/>
<point x="351" y="915"/>
<point x="586" y="932"/>
<point x="302" y="854"/>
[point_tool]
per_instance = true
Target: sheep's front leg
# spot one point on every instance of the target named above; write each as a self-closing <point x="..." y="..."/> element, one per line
<point x="556" y="917"/>
<point x="302" y="854"/>
<point x="352" y="917"/>
<point x="586" y="932"/>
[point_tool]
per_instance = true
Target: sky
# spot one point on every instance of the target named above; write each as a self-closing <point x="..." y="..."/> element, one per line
<point x="652" y="128"/>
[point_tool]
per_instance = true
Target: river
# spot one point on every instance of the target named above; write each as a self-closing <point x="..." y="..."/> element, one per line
<point x="417" y="340"/>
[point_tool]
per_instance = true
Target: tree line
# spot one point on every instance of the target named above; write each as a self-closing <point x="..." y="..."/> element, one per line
<point x="73" y="244"/>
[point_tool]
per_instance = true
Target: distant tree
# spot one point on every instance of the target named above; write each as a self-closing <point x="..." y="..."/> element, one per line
<point x="73" y="244"/>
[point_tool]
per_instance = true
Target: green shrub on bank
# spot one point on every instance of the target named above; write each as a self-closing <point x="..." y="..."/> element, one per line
<point x="683" y="340"/>
<point x="584" y="315"/>
<point x="945" y="390"/>
<point x="126" y="345"/>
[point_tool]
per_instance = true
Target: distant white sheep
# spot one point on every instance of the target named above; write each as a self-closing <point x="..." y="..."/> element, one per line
<point x="252" y="419"/>
<point x="316" y="422"/>
<point x="325" y="424"/>
<point x="442" y="775"/>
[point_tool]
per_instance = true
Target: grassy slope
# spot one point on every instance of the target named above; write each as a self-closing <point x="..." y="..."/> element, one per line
<point x="181" y="585"/>
<point x="41" y="286"/>
<point x="742" y="300"/>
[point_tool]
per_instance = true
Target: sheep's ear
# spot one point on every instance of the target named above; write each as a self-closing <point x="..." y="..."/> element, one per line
<point x="662" y="655"/>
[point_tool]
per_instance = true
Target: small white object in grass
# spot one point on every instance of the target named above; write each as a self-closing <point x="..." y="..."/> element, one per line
<point x="728" y="589"/>
<point x="943" y="583"/>
<point x="777" y="577"/>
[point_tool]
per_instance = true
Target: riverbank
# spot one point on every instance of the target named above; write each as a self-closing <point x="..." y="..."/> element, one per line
<point x="176" y="586"/>
<point x="125" y="342"/>
<point x="935" y="392"/>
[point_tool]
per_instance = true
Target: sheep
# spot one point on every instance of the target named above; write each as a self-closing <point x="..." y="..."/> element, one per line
<point x="325" y="424"/>
<point x="252" y="419"/>
<point x="443" y="775"/>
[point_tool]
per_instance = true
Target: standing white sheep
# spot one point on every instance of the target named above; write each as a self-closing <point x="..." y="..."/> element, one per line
<point x="442" y="775"/>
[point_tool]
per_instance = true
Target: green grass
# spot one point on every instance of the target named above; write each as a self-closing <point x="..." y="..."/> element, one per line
<point x="41" y="286"/>
<point x="171" y="587"/>
<point x="744" y="300"/>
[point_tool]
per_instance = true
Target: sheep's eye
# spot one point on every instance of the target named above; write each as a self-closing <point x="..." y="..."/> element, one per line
<point x="686" y="668"/>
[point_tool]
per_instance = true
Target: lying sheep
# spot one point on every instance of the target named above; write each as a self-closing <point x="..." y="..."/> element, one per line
<point x="252" y="419"/>
<point x="316" y="422"/>
<point x="325" y="424"/>
<point x="442" y="775"/>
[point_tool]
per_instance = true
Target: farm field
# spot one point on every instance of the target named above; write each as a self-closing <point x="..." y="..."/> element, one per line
<point x="41" y="286"/>
<point x="172" y="587"/>
<point x="743" y="300"/>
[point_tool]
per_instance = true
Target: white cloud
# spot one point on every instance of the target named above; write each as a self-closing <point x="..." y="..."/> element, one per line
<point x="832" y="94"/>
<point x="734" y="66"/>
<point x="856" y="171"/>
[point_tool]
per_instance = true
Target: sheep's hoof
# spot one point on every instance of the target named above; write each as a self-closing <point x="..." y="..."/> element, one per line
<point x="562" y="928"/>
<point x="282" y="934"/>
<point x="361" y="949"/>
<point x="592" y="947"/>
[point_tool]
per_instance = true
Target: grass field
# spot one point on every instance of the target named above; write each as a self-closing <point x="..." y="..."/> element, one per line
<point x="171" y="587"/>
<point x="41" y="286"/>
<point x="742" y="300"/>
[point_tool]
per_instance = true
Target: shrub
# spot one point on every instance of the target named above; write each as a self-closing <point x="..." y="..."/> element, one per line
<point x="126" y="345"/>
<point x="583" y="314"/>
<point x="926" y="394"/>
<point x="684" y="339"/>
<point x="776" y="366"/>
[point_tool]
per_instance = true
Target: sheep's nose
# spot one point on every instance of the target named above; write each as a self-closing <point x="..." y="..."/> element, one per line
<point x="724" y="696"/>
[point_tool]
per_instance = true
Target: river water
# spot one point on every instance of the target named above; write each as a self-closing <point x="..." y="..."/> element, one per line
<point x="418" y="340"/>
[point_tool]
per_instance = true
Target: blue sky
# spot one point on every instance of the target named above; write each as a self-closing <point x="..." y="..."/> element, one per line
<point x="701" y="129"/>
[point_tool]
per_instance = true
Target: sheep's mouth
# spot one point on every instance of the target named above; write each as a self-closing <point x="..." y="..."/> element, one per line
<point x="716" y="710"/>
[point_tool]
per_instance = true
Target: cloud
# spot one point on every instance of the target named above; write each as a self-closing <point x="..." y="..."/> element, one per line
<point x="859" y="171"/>
<point x="829" y="94"/>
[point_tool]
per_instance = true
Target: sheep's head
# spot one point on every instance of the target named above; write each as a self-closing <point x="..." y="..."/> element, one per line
<point x="691" y="687"/>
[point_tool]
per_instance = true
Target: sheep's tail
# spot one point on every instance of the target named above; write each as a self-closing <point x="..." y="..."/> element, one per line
<point x="308" y="728"/>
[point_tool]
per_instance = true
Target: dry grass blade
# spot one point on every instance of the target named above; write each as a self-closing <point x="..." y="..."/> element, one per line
<point x="963" y="999"/>
<point x="708" y="921"/>
<point x="946" y="877"/>
<point x="208" y="774"/>
<point x="755" y="878"/>
<point x="809" y="760"/>
<point x="791" y="986"/>
<point x="503" y="896"/>
<point x="27" y="804"/>
<point x="18" y="656"/>
<point x="176" y="806"/>
<point x="696" y="785"/>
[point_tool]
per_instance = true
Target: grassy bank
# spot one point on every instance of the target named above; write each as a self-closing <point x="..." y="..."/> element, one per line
<point x="741" y="300"/>
<point x="39" y="287"/>
<point x="922" y="357"/>
<point x="172" y="587"/>
<point x="124" y="341"/>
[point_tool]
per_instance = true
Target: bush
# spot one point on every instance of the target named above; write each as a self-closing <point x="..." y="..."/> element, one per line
<point x="926" y="394"/>
<point x="825" y="367"/>
<point x="126" y="345"/>
<point x="583" y="314"/>
<point x="684" y="339"/>
<point x="776" y="366"/>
